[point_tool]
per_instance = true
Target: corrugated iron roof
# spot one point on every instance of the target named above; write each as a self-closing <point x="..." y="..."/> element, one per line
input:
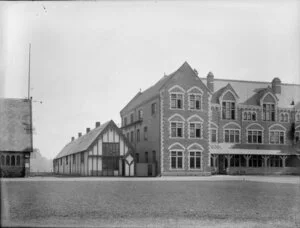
<point x="15" y="122"/>
<point x="82" y="143"/>
<point x="263" y="149"/>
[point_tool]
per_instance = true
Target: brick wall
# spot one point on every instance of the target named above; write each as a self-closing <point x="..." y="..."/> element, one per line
<point x="186" y="83"/>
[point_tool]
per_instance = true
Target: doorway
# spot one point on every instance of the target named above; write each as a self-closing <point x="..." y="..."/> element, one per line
<point x="222" y="164"/>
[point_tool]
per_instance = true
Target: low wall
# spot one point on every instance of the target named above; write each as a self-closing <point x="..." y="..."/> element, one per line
<point x="12" y="171"/>
<point x="142" y="169"/>
<point x="186" y="173"/>
<point x="263" y="170"/>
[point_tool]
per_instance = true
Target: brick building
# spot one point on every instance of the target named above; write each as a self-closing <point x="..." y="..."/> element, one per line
<point x="102" y="151"/>
<point x="15" y="137"/>
<point x="188" y="125"/>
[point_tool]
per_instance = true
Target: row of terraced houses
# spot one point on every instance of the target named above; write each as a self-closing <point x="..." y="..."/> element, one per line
<point x="187" y="125"/>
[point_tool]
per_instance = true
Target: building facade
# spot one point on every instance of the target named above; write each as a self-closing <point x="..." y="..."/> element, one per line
<point x="15" y="137"/>
<point x="197" y="126"/>
<point x="102" y="151"/>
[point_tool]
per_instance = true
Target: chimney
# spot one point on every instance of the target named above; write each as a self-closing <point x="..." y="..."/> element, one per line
<point x="73" y="138"/>
<point x="79" y="134"/>
<point x="97" y="124"/>
<point x="88" y="130"/>
<point x="210" y="81"/>
<point x="276" y="86"/>
<point x="196" y="72"/>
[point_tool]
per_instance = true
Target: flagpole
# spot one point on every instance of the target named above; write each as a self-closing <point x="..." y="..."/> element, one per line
<point x="29" y="72"/>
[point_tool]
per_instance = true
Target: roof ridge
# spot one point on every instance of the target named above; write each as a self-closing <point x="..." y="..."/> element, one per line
<point x="248" y="81"/>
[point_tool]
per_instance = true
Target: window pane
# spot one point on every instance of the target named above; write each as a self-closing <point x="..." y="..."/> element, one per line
<point x="173" y="162"/>
<point x="226" y="136"/>
<point x="198" y="162"/>
<point x="192" y="162"/>
<point x="179" y="132"/>
<point x="237" y="137"/>
<point x="179" y="160"/>
<point x="231" y="136"/>
<point x="198" y="133"/>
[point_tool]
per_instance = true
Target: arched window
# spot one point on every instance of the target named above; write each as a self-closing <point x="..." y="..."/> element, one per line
<point x="7" y="160"/>
<point x="249" y="115"/>
<point x="281" y="117"/>
<point x="13" y="161"/>
<point x="286" y="117"/>
<point x="18" y="160"/>
<point x="2" y="160"/>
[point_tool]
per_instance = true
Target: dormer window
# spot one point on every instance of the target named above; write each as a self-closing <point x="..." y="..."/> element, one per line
<point x="228" y="101"/>
<point x="269" y="112"/>
<point x="176" y="101"/>
<point x="228" y="110"/>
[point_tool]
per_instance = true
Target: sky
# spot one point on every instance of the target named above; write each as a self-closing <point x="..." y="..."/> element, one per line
<point x="88" y="59"/>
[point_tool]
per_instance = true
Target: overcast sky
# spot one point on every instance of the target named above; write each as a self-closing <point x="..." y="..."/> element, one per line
<point x="88" y="59"/>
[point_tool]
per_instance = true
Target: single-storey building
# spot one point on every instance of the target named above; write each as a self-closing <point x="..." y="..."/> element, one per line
<point x="15" y="137"/>
<point x="102" y="151"/>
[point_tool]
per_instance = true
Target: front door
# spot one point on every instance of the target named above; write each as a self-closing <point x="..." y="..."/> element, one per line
<point x="222" y="165"/>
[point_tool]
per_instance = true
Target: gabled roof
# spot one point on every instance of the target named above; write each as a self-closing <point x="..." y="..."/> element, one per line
<point x="154" y="90"/>
<point x="250" y="91"/>
<point x="149" y="93"/>
<point x="216" y="96"/>
<point x="15" y="122"/>
<point x="84" y="142"/>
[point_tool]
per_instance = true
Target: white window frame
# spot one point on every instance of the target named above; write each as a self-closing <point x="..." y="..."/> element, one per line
<point x="232" y="129"/>
<point x="182" y="103"/>
<point x="170" y="129"/>
<point x="235" y="109"/>
<point x="275" y="131"/>
<point x="297" y="117"/>
<point x="201" y="160"/>
<point x="297" y="132"/>
<point x="251" y="112"/>
<point x="131" y="114"/>
<point x="282" y="130"/>
<point x="140" y="114"/>
<point x="201" y="129"/>
<point x="199" y="93"/>
<point x="275" y="112"/>
<point x="231" y="101"/>
<point x="154" y="104"/>
<point x="195" y="109"/>
<point x="176" y="150"/>
<point x="262" y="136"/>
<point x="214" y="127"/>
<point x="284" y="115"/>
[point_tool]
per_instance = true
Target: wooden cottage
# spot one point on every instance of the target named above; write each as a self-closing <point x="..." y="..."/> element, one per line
<point x="103" y="151"/>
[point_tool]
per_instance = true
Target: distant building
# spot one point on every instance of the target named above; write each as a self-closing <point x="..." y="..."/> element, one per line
<point x="197" y="126"/>
<point x="102" y="151"/>
<point x="15" y="137"/>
